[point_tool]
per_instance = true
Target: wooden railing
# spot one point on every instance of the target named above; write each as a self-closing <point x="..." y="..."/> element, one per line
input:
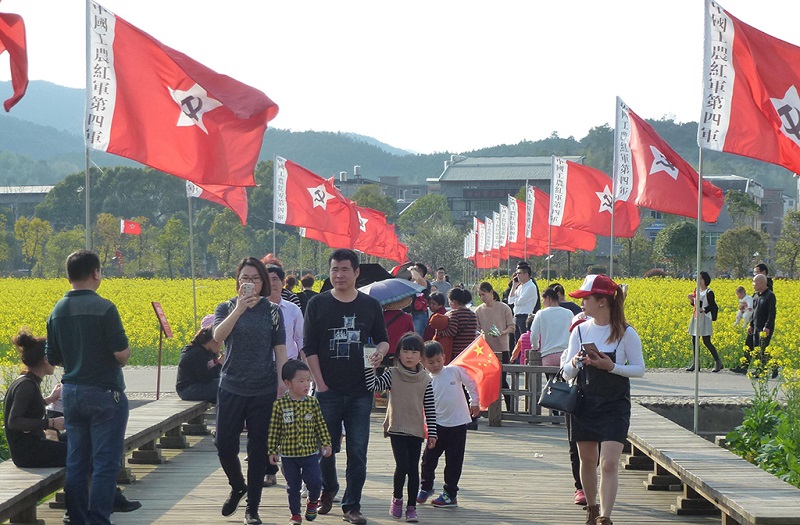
<point x="524" y="387"/>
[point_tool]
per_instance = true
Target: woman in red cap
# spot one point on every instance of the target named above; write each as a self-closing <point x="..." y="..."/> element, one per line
<point x="604" y="353"/>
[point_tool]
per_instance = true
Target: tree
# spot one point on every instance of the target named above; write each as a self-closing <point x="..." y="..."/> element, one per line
<point x="424" y="213"/>
<point x="229" y="244"/>
<point x="32" y="235"/>
<point x="370" y="196"/>
<point x="636" y="256"/>
<point x="438" y="245"/>
<point x="5" y="249"/>
<point x="742" y="208"/>
<point x="59" y="246"/>
<point x="107" y="238"/>
<point x="787" y="249"/>
<point x="173" y="245"/>
<point x="735" y="249"/>
<point x="677" y="243"/>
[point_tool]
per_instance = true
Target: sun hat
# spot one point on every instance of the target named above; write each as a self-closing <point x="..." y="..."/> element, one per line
<point x="595" y="284"/>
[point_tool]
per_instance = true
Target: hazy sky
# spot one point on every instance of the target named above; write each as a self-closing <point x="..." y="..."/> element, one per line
<point x="429" y="75"/>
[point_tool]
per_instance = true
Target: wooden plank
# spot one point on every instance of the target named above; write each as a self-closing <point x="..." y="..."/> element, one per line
<point x="741" y="489"/>
<point x="515" y="474"/>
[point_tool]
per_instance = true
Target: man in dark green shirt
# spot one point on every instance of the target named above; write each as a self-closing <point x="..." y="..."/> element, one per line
<point x="85" y="336"/>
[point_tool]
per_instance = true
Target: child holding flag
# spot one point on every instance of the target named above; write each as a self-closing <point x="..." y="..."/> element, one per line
<point x="452" y="416"/>
<point x="410" y="392"/>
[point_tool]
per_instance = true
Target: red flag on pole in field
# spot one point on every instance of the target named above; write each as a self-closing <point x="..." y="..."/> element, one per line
<point x="751" y="105"/>
<point x="651" y="175"/>
<point x="233" y="197"/>
<point x="303" y="198"/>
<point x="155" y="105"/>
<point x="130" y="227"/>
<point x="582" y="199"/>
<point x="12" y="39"/>
<point x="480" y="363"/>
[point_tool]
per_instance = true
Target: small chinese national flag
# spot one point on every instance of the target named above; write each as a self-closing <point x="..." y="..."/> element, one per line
<point x="479" y="361"/>
<point x="12" y="39"/>
<point x="130" y="227"/>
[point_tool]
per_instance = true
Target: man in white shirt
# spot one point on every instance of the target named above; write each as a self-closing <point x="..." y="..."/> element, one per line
<point x="524" y="296"/>
<point x="551" y="325"/>
<point x="441" y="284"/>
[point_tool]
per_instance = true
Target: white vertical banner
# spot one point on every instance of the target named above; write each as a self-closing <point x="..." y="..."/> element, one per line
<point x="503" y="225"/>
<point x="513" y="219"/>
<point x="489" y="235"/>
<point x="558" y="191"/>
<point x="623" y="164"/>
<point x="497" y="228"/>
<point x="530" y="200"/>
<point x="718" y="78"/>
<point x="481" y="236"/>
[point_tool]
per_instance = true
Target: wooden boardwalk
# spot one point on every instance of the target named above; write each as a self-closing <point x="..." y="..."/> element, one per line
<point x="516" y="474"/>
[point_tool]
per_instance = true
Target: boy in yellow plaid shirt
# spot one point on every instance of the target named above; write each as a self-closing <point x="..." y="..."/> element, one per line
<point x="296" y="431"/>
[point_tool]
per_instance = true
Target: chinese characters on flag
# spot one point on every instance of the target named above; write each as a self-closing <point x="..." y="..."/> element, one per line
<point x="751" y="105"/>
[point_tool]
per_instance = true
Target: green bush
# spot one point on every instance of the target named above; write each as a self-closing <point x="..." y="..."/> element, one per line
<point x="769" y="436"/>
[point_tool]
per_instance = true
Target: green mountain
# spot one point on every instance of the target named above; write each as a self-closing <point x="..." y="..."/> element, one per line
<point x="41" y="143"/>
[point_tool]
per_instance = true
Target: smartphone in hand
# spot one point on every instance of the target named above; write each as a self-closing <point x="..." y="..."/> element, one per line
<point x="248" y="288"/>
<point x="590" y="349"/>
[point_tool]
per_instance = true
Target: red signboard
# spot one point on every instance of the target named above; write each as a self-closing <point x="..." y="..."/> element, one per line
<point x="162" y="319"/>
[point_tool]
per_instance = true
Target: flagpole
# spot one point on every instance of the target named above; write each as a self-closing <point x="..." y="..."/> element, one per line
<point x="696" y="334"/>
<point x="191" y="260"/>
<point x="525" y="231"/>
<point x="88" y="95"/>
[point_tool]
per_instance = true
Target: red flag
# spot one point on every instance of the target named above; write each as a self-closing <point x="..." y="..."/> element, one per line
<point x="233" y="197"/>
<point x="480" y="363"/>
<point x="305" y="199"/>
<point x="750" y="101"/>
<point x="650" y="173"/>
<point x="155" y="105"/>
<point x="581" y="199"/>
<point x="375" y="236"/>
<point x="130" y="227"/>
<point x="558" y="235"/>
<point x="12" y="38"/>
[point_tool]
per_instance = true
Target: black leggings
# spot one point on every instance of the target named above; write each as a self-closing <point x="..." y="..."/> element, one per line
<point x="709" y="345"/>
<point x="406" y="450"/>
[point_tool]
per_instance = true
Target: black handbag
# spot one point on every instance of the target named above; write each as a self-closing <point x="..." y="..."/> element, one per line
<point x="558" y="394"/>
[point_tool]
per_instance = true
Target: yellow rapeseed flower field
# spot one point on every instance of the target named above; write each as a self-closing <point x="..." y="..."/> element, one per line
<point x="657" y="308"/>
<point x="660" y="312"/>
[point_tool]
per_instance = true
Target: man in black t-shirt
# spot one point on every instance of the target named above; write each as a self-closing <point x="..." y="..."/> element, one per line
<point x="338" y="323"/>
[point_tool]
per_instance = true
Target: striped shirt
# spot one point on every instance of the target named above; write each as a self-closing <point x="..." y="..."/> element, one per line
<point x="463" y="328"/>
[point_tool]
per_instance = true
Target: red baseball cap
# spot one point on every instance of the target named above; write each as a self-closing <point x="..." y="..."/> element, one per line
<point x="595" y="284"/>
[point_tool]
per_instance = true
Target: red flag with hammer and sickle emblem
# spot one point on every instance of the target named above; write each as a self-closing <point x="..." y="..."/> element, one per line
<point x="153" y="104"/>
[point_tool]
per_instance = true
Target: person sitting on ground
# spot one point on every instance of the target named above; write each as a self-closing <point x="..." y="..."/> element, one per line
<point x="199" y="365"/>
